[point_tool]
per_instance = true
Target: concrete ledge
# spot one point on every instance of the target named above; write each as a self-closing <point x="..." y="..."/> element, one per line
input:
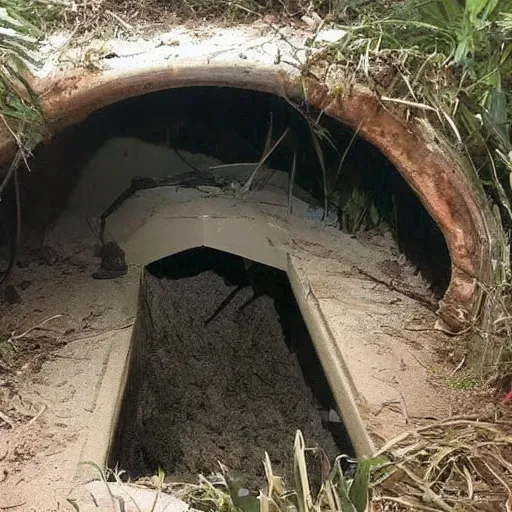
<point x="108" y="405"/>
<point x="332" y="359"/>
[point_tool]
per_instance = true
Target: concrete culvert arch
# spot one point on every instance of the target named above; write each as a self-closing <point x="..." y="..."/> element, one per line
<point x="407" y="237"/>
<point x="220" y="134"/>
<point x="435" y="177"/>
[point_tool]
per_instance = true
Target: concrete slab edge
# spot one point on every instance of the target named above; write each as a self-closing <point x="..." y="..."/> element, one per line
<point x="332" y="361"/>
<point x="108" y="405"/>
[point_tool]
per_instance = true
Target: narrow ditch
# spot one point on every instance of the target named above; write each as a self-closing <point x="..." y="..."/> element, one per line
<point x="222" y="369"/>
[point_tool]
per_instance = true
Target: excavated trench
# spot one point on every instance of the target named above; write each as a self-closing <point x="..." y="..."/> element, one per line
<point x="222" y="369"/>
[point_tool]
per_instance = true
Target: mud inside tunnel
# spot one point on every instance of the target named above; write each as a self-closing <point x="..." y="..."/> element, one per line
<point x="230" y="126"/>
<point x="222" y="369"/>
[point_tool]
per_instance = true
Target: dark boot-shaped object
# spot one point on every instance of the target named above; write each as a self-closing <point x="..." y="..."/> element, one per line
<point x="113" y="263"/>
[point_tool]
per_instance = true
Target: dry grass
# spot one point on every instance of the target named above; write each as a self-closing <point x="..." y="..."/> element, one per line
<point x="460" y="464"/>
<point x="23" y="353"/>
<point x="455" y="464"/>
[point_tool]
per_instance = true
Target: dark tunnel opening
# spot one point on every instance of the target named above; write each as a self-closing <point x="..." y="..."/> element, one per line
<point x="232" y="125"/>
<point x="222" y="369"/>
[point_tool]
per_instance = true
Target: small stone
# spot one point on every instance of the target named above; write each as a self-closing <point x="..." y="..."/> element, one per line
<point x="11" y="295"/>
<point x="25" y="284"/>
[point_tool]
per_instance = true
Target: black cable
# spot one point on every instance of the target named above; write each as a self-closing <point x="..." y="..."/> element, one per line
<point x="14" y="165"/>
<point x="188" y="164"/>
<point x="13" y="246"/>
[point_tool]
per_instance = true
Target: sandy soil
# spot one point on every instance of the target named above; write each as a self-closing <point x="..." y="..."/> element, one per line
<point x="48" y="391"/>
<point x="50" y="381"/>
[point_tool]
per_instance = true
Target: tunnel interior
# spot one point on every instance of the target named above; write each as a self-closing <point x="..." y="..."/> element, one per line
<point x="222" y="369"/>
<point x="202" y="386"/>
<point x="232" y="125"/>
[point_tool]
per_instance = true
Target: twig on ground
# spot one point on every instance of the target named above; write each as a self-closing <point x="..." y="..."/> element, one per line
<point x="6" y="452"/>
<point x="385" y="404"/>
<point x="36" y="417"/>
<point x="408" y="293"/>
<point x="458" y="367"/>
<point x="14" y="337"/>
<point x="404" y="408"/>
<point x="9" y="507"/>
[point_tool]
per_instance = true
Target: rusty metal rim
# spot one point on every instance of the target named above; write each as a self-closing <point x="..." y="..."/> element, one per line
<point x="442" y="186"/>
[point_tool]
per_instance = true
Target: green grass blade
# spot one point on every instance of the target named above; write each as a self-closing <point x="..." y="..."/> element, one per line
<point x="359" y="489"/>
<point x="291" y="182"/>
<point x="341" y="486"/>
<point x="321" y="159"/>
<point x="248" y="183"/>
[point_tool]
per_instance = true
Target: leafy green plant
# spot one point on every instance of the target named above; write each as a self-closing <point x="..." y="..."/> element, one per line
<point x="24" y="23"/>
<point x="450" y="63"/>
<point x="464" y="26"/>
<point x="337" y="493"/>
<point x="467" y="381"/>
